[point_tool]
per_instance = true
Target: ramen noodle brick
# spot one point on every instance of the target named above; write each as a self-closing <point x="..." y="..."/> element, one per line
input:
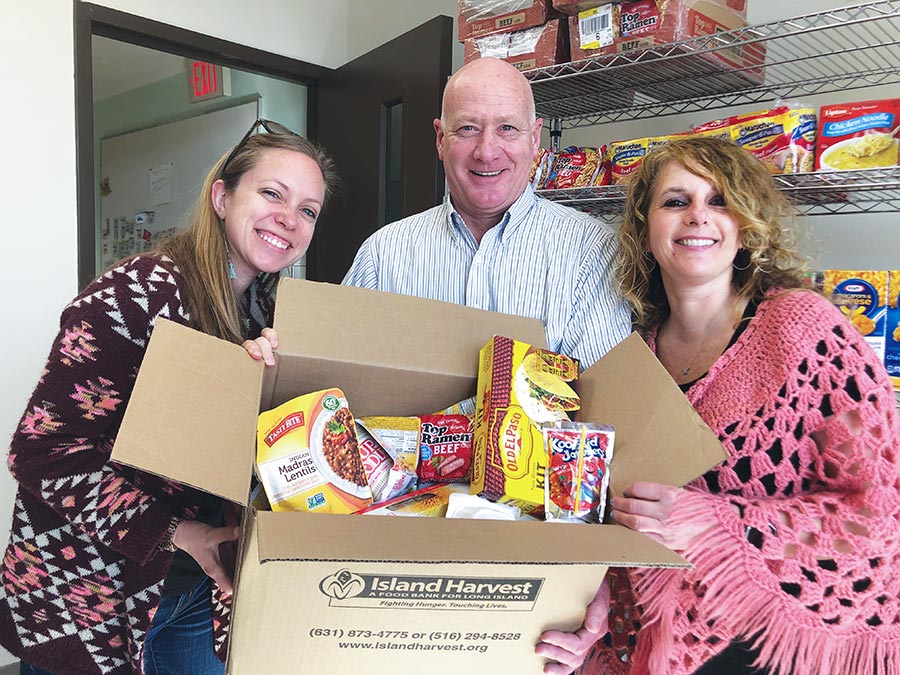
<point x="399" y="438"/>
<point x="625" y="157"/>
<point x="445" y="448"/>
<point x="578" y="472"/>
<point x="862" y="296"/>
<point x="307" y="455"/>
<point x="892" y="329"/>
<point x="857" y="135"/>
<point x="540" y="168"/>
<point x="519" y="387"/>
<point x="574" y="167"/>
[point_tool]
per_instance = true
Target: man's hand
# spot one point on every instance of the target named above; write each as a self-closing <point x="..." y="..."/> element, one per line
<point x="566" y="651"/>
<point x="201" y="542"/>
<point x="263" y="347"/>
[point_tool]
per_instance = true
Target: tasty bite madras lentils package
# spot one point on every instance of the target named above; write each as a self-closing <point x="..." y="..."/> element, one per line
<point x="307" y="455"/>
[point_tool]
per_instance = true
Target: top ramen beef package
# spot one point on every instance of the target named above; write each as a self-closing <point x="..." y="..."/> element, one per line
<point x="307" y="455"/>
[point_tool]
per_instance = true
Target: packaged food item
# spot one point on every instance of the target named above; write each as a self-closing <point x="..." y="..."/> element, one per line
<point x="617" y="27"/>
<point x="856" y="136"/>
<point x="481" y="17"/>
<point x="862" y="296"/>
<point x="573" y="7"/>
<point x="783" y="138"/>
<point x="474" y="507"/>
<point x="519" y="387"/>
<point x="427" y="502"/>
<point x="626" y="157"/>
<point x="578" y="472"/>
<point x="892" y="329"/>
<point x="385" y="479"/>
<point x="308" y="456"/>
<point x="445" y="448"/>
<point x="536" y="47"/>
<point x="540" y="168"/>
<point x="575" y="167"/>
<point x="399" y="438"/>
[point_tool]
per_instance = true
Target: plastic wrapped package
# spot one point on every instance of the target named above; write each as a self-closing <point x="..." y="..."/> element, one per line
<point x="535" y="47"/>
<point x="482" y="17"/>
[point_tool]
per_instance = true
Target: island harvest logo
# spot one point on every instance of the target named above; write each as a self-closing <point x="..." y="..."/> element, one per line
<point x="342" y="584"/>
<point x="349" y="589"/>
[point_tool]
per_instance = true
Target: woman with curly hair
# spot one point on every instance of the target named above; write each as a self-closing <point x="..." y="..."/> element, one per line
<point x="795" y="538"/>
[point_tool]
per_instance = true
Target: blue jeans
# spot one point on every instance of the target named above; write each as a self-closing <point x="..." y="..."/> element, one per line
<point x="180" y="638"/>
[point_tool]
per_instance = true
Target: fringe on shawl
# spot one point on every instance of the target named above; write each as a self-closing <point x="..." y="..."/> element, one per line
<point x="787" y="646"/>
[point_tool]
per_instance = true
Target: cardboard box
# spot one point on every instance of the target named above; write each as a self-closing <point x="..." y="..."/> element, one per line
<point x="536" y="47"/>
<point x="862" y="295"/>
<point x="368" y="594"/>
<point x="572" y="7"/>
<point x="692" y="71"/>
<point x="482" y="17"/>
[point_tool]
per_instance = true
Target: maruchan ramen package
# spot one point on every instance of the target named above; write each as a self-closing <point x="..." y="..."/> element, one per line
<point x="540" y="168"/>
<point x="578" y="470"/>
<point x="445" y="448"/>
<point x="856" y="136"/>
<point x="783" y="138"/>
<point x="307" y="456"/>
<point x="625" y="158"/>
<point x="892" y="329"/>
<point x="862" y="296"/>
<point x="519" y="387"/>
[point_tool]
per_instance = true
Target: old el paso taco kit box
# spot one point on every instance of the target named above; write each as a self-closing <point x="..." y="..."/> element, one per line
<point x="367" y="594"/>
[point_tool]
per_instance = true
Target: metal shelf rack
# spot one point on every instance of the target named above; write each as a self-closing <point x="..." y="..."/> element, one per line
<point x="868" y="191"/>
<point x="846" y="48"/>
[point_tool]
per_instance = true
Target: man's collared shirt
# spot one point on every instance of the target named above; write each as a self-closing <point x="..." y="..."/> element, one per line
<point x="543" y="260"/>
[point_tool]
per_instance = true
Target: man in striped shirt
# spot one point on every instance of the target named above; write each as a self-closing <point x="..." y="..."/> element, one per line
<point x="493" y="244"/>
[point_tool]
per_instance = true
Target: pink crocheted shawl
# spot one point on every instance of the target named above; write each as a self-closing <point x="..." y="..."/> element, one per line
<point x="803" y="559"/>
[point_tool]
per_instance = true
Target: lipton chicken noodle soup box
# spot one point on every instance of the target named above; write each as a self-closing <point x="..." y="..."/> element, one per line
<point x="307" y="455"/>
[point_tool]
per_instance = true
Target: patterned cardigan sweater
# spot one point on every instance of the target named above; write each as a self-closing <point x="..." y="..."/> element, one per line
<point x="804" y="558"/>
<point x="83" y="572"/>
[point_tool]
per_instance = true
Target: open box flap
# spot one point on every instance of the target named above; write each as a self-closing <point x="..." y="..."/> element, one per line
<point x="192" y="414"/>
<point x="311" y="536"/>
<point x="357" y="326"/>
<point x="659" y="435"/>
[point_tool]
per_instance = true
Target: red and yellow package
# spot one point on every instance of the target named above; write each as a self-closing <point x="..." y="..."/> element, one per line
<point x="445" y="448"/>
<point x="574" y="167"/>
<point x="782" y="138"/>
<point x="578" y="470"/>
<point x="626" y="157"/>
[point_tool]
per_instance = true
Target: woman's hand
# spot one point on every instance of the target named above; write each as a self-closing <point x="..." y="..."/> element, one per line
<point x="201" y="542"/>
<point x="566" y="651"/>
<point x="263" y="347"/>
<point x="653" y="508"/>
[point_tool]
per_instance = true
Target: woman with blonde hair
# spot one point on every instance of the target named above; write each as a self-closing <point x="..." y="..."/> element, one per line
<point x="111" y="569"/>
<point x="795" y="538"/>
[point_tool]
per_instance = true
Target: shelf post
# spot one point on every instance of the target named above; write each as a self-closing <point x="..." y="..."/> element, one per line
<point x="555" y="134"/>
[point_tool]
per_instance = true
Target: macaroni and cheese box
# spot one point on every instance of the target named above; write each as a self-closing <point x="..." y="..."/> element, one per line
<point x="892" y="329"/>
<point x="373" y="594"/>
<point x="858" y="135"/>
<point x="862" y="295"/>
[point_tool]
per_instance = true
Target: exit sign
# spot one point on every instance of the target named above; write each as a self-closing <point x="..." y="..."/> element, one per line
<point x="207" y="80"/>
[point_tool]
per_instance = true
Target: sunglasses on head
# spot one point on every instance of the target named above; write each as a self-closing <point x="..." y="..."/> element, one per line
<point x="270" y="127"/>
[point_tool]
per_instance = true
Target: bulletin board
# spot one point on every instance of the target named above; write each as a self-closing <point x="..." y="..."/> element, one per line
<point x="150" y="179"/>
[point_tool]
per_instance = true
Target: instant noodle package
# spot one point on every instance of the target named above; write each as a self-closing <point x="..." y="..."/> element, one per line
<point x="379" y="594"/>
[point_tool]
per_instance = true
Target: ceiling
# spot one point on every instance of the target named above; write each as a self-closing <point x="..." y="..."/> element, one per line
<point x="120" y="66"/>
